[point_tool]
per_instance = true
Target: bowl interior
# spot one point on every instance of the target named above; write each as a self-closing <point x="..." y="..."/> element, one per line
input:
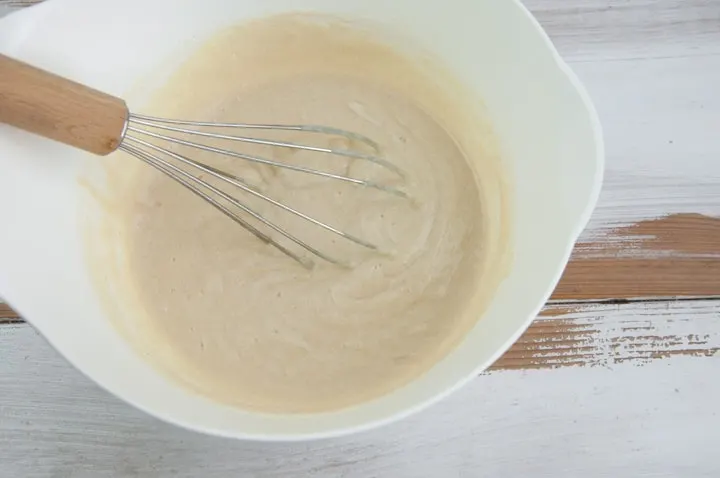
<point x="547" y="128"/>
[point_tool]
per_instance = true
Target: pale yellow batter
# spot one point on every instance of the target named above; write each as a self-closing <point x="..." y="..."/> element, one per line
<point x="238" y="321"/>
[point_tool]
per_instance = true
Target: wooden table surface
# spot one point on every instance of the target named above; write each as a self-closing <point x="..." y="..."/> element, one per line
<point x="619" y="376"/>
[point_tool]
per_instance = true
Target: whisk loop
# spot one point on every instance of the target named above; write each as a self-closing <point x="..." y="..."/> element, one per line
<point x="162" y="159"/>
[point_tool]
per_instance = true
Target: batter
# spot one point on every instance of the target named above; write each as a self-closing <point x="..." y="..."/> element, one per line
<point x="238" y="321"/>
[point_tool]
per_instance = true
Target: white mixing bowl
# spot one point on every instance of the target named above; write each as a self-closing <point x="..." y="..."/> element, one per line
<point x="546" y="124"/>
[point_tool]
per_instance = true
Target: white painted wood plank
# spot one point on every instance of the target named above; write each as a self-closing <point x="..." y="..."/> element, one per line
<point x="592" y="30"/>
<point x="661" y="120"/>
<point x="660" y="419"/>
<point x="588" y="30"/>
<point x="653" y="69"/>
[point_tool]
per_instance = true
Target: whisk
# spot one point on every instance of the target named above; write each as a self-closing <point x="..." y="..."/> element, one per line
<point x="57" y="108"/>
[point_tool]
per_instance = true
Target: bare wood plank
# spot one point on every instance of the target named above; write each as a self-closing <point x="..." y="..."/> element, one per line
<point x="7" y="314"/>
<point x="674" y="256"/>
<point x="637" y="278"/>
<point x="564" y="422"/>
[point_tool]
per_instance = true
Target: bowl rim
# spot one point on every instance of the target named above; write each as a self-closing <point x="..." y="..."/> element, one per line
<point x="30" y="14"/>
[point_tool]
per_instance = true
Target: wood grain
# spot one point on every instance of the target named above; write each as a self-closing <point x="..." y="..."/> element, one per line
<point x="7" y="314"/>
<point x="674" y="256"/>
<point x="585" y="30"/>
<point x="51" y="106"/>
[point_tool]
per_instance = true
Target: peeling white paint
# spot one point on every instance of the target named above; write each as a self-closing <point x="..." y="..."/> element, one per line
<point x="637" y="333"/>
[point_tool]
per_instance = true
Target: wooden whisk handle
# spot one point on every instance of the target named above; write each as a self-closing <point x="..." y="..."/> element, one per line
<point x="57" y="108"/>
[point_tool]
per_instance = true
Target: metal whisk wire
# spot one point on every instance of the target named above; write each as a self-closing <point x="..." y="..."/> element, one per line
<point x="157" y="157"/>
<point x="101" y="123"/>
